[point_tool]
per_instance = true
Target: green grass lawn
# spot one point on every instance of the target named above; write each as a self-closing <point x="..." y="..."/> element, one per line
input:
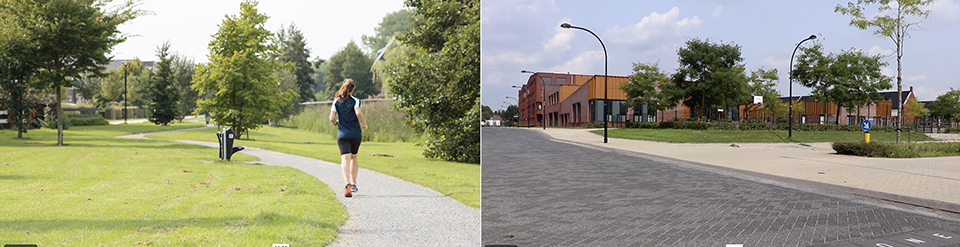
<point x="725" y="136"/>
<point x="457" y="180"/>
<point x="103" y="191"/>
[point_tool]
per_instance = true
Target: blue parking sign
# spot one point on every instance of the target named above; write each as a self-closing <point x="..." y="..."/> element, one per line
<point x="866" y="125"/>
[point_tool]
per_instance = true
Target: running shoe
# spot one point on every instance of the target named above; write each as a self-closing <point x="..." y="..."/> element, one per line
<point x="353" y="188"/>
<point x="347" y="193"/>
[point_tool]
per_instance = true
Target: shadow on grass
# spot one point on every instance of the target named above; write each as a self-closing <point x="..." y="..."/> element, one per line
<point x="262" y="219"/>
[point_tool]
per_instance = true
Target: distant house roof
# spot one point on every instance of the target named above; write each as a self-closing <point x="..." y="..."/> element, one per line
<point x="495" y="117"/>
<point x="892" y="97"/>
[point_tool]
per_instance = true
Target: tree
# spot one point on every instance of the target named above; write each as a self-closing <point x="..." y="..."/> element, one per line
<point x="294" y="50"/>
<point x="239" y="81"/>
<point x="163" y="93"/>
<point x="947" y="106"/>
<point x="510" y="116"/>
<point x="13" y="92"/>
<point x="183" y="70"/>
<point x="392" y="24"/>
<point x="895" y="27"/>
<point x="486" y="113"/>
<point x="762" y="83"/>
<point x="649" y="86"/>
<point x="319" y="87"/>
<point x="849" y="79"/>
<point x="89" y="87"/>
<point x="710" y="75"/>
<point x="64" y="39"/>
<point x="438" y="84"/>
<point x="137" y="78"/>
<point x="915" y="109"/>
<point x="350" y="63"/>
<point x="288" y="81"/>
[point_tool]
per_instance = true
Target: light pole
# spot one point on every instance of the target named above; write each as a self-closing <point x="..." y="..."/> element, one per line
<point x="124" y="91"/>
<point x="790" y="122"/>
<point x="542" y="105"/>
<point x="567" y="25"/>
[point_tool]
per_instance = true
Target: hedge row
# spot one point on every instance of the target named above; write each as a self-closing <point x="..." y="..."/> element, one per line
<point x="893" y="150"/>
<point x="747" y="125"/>
<point x="86" y="121"/>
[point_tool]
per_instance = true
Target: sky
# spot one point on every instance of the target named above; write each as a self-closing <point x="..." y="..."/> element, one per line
<point x="189" y="25"/>
<point x="526" y="35"/>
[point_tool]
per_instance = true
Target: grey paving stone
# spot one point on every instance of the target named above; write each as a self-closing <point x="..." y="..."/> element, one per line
<point x="538" y="192"/>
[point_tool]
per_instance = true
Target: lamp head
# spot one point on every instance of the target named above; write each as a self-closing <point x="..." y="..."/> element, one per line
<point x="812" y="37"/>
<point x="565" y="25"/>
<point x="525" y="71"/>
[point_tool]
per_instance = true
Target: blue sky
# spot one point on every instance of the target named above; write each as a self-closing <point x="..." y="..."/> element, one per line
<point x="188" y="24"/>
<point x="525" y="35"/>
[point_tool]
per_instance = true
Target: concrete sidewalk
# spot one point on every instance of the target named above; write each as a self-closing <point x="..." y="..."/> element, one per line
<point x="927" y="182"/>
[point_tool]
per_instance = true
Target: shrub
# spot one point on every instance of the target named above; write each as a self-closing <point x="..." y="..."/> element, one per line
<point x="893" y="150"/>
<point x="385" y="124"/>
<point x="694" y="125"/>
<point x="724" y="125"/>
<point x="593" y="125"/>
<point x="87" y="121"/>
<point x="643" y="125"/>
<point x="952" y="130"/>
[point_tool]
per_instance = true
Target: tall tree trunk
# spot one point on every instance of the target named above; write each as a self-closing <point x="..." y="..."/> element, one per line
<point x="59" y="118"/>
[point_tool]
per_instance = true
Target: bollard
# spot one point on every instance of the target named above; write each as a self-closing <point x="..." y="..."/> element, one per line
<point x="866" y="137"/>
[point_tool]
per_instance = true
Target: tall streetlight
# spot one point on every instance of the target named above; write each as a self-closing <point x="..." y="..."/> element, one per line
<point x="542" y="105"/>
<point x="790" y="123"/>
<point x="567" y="25"/>
<point x="124" y="91"/>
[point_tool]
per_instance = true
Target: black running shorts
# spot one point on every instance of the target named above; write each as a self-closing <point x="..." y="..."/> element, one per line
<point x="348" y="145"/>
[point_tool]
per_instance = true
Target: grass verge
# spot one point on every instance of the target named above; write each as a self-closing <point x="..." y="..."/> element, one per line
<point x="457" y="180"/>
<point x="99" y="190"/>
<point x="724" y="136"/>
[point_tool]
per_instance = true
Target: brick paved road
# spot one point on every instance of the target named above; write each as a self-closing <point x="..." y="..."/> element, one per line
<point x="579" y="196"/>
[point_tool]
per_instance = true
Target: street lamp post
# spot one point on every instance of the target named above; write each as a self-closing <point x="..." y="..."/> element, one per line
<point x="567" y="25"/>
<point x="790" y="122"/>
<point x="542" y="105"/>
<point x="124" y="91"/>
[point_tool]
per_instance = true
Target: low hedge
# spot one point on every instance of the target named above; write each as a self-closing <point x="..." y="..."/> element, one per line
<point x="894" y="150"/>
<point x="87" y="121"/>
<point x="747" y="125"/>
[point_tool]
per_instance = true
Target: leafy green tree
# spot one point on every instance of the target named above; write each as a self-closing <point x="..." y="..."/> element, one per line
<point x="649" y="86"/>
<point x="510" y="116"/>
<point x="163" y="93"/>
<point x="762" y="83"/>
<point x="88" y="86"/>
<point x="486" y="113"/>
<point x="294" y="50"/>
<point x="350" y="63"/>
<point x="892" y="21"/>
<point x="915" y="109"/>
<point x="288" y="82"/>
<point x="319" y="87"/>
<point x="183" y="70"/>
<point x="391" y="25"/>
<point x="13" y="92"/>
<point x="239" y="81"/>
<point x="849" y="79"/>
<point x="64" y="39"/>
<point x="710" y="75"/>
<point x="438" y="84"/>
<point x="947" y="106"/>
<point x="137" y="77"/>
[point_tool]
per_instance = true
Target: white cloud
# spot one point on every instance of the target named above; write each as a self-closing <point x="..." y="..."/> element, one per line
<point x="916" y="78"/>
<point x="652" y="28"/>
<point x="512" y="57"/>
<point x="718" y="11"/>
<point x="887" y="71"/>
<point x="585" y="63"/>
<point x="561" y="40"/>
<point x="946" y="10"/>
<point x="773" y="62"/>
<point x="875" y="50"/>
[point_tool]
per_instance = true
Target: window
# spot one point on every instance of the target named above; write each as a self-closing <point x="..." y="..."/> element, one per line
<point x="561" y="80"/>
<point x="545" y="80"/>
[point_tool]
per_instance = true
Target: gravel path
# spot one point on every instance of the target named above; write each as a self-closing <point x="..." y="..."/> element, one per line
<point x="386" y="211"/>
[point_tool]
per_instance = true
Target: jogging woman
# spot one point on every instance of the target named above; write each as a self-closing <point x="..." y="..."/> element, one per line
<point x="349" y="133"/>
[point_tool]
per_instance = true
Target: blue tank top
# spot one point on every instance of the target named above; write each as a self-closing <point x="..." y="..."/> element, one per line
<point x="349" y="126"/>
